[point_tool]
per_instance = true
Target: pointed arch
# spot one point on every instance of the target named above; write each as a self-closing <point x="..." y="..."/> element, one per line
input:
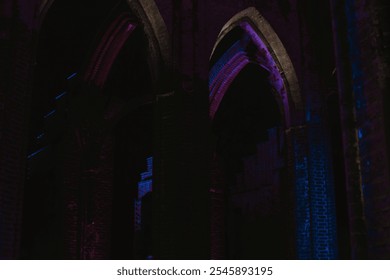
<point x="270" y="54"/>
<point x="125" y="35"/>
<point x="159" y="49"/>
<point x="157" y="33"/>
<point x="44" y="7"/>
<point x="159" y="58"/>
<point x="247" y="42"/>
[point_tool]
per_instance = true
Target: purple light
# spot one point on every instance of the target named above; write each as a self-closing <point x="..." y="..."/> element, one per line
<point x="267" y="61"/>
<point x="225" y="71"/>
<point x="234" y="60"/>
<point x="216" y="69"/>
<point x="108" y="50"/>
<point x="224" y="79"/>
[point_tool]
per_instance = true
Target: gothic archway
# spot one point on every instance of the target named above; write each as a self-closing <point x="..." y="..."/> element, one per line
<point x="131" y="54"/>
<point x="91" y="107"/>
<point x="159" y="54"/>
<point x="255" y="104"/>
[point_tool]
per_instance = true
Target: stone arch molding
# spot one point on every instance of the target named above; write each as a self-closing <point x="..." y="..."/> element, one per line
<point x="157" y="33"/>
<point x="159" y="54"/>
<point x="271" y="55"/>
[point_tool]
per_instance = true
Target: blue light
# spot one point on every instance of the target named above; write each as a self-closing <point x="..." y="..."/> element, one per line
<point x="36" y="152"/>
<point x="302" y="210"/>
<point x="49" y="114"/>
<point x="146" y="175"/>
<point x="71" y="76"/>
<point x="40" y="136"/>
<point x="149" y="161"/>
<point x="308" y="116"/>
<point x="60" y="95"/>
<point x="321" y="197"/>
<point x="235" y="48"/>
<point x="355" y="56"/>
<point x="145" y="186"/>
<point x="360" y="134"/>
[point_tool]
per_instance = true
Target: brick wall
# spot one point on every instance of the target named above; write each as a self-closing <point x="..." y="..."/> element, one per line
<point x="322" y="200"/>
<point x="15" y="93"/>
<point x="316" y="68"/>
<point x="362" y="64"/>
<point x="181" y="172"/>
<point x="299" y="174"/>
<point x="368" y="36"/>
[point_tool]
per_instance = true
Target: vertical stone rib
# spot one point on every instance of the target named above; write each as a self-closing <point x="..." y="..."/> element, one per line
<point x="357" y="223"/>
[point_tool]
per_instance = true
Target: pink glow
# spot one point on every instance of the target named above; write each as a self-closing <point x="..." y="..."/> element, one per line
<point x="237" y="61"/>
<point x="236" y="48"/>
<point x="223" y="73"/>
<point x="107" y="51"/>
<point x="90" y="69"/>
<point x="225" y="78"/>
<point x="266" y="60"/>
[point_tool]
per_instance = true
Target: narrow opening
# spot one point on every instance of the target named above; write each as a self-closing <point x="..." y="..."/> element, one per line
<point x="343" y="237"/>
<point x="129" y="81"/>
<point x="251" y="144"/>
<point x="131" y="229"/>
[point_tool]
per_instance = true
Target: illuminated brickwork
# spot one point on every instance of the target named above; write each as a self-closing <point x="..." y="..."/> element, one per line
<point x="302" y="193"/>
<point x="144" y="187"/>
<point x="322" y="205"/>
<point x="71" y="71"/>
